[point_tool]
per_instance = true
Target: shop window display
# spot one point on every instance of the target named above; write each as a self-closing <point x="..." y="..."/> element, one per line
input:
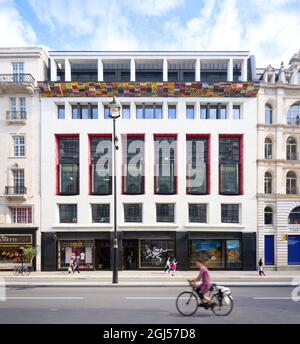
<point x="79" y="248"/>
<point x="153" y="253"/>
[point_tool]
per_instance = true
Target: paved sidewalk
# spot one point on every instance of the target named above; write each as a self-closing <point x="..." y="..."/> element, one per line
<point x="149" y="278"/>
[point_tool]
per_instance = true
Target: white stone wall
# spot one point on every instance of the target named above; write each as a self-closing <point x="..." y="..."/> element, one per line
<point x="280" y="97"/>
<point x="246" y="126"/>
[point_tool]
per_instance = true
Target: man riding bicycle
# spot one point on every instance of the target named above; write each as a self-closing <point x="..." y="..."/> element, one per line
<point x="204" y="287"/>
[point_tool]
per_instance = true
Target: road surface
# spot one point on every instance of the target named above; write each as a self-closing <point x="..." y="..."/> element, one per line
<point x="140" y="305"/>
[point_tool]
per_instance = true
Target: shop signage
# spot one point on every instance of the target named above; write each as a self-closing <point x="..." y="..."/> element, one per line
<point x="15" y="239"/>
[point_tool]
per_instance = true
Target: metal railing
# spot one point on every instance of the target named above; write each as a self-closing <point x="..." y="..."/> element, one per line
<point x="16" y="115"/>
<point x="15" y="190"/>
<point x="10" y="79"/>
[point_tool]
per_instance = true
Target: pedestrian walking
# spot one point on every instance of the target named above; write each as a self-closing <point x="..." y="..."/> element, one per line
<point x="173" y="266"/>
<point x="71" y="265"/>
<point x="77" y="264"/>
<point x="167" y="265"/>
<point x="261" y="267"/>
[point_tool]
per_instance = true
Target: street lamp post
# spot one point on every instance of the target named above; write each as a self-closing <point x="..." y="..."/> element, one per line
<point x="115" y="114"/>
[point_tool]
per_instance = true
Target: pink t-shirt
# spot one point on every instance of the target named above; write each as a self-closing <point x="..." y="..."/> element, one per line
<point x="204" y="275"/>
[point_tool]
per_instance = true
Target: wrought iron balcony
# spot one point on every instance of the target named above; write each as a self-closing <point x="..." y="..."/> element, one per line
<point x="6" y="79"/>
<point x="15" y="191"/>
<point x="16" y="116"/>
<point x="17" y="83"/>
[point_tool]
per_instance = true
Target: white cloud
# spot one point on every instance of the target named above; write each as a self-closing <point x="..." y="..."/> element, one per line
<point x="14" y="30"/>
<point x="153" y="7"/>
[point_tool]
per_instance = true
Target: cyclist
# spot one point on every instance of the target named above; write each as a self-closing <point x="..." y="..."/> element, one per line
<point x="204" y="287"/>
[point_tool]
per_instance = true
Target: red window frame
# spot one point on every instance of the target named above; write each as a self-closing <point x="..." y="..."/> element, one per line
<point x="108" y="135"/>
<point x="57" y="137"/>
<point x="207" y="136"/>
<point x="176" y="163"/>
<point x="142" y="135"/>
<point x="241" y="169"/>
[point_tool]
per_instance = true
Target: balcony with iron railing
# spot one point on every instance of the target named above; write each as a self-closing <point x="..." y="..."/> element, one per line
<point x="17" y="83"/>
<point x="16" y="116"/>
<point x="15" y="192"/>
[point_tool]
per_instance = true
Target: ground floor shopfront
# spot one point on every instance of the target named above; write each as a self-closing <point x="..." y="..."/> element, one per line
<point x="149" y="250"/>
<point x="12" y="243"/>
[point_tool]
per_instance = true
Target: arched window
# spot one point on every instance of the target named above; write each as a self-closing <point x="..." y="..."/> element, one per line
<point x="294" y="217"/>
<point x="268" y="183"/>
<point x="291" y="149"/>
<point x="268" y="148"/>
<point x="291" y="183"/>
<point x="268" y="114"/>
<point x="268" y="216"/>
<point x="293" y="116"/>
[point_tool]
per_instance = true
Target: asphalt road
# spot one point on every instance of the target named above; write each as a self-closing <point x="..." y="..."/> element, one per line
<point x="140" y="305"/>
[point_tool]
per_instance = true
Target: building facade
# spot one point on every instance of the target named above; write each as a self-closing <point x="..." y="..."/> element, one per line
<point x="279" y="166"/>
<point x="20" y="69"/>
<point x="186" y="181"/>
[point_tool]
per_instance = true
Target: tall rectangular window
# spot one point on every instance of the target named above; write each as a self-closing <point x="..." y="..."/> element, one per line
<point x="133" y="212"/>
<point x="149" y="111"/>
<point x="19" y="145"/>
<point x="133" y="164"/>
<point x="106" y="112"/>
<point x="230" y="213"/>
<point x="172" y="111"/>
<point x="68" y="165"/>
<point x="197" y="213"/>
<point x="18" y="181"/>
<point x="190" y="112"/>
<point x="165" y="179"/>
<point x="18" y="71"/>
<point x="101" y="165"/>
<point x="100" y="213"/>
<point x="22" y="101"/>
<point x="13" y="104"/>
<point x="165" y="212"/>
<point x="67" y="213"/>
<point x="21" y="214"/>
<point x="236" y="112"/>
<point x="60" y="111"/>
<point x="126" y="111"/>
<point x="197" y="165"/>
<point x="213" y="111"/>
<point x="230" y="165"/>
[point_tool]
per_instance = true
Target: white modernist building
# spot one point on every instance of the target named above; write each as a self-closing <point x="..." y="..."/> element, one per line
<point x="279" y="166"/>
<point x="20" y="69"/>
<point x="202" y="107"/>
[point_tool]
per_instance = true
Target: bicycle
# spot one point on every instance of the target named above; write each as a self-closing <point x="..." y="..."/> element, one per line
<point x="220" y="301"/>
<point x="21" y="270"/>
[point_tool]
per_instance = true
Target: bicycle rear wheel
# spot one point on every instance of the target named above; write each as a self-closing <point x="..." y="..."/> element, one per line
<point x="187" y="303"/>
<point x="16" y="271"/>
<point x="223" y="305"/>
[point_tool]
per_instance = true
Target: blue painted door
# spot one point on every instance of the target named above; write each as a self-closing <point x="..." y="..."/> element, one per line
<point x="294" y="249"/>
<point x="269" y="249"/>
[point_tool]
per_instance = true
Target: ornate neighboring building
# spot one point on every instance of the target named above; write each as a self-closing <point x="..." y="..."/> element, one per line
<point x="20" y="69"/>
<point x="279" y="165"/>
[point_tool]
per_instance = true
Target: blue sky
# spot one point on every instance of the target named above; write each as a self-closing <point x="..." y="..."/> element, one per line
<point x="268" y="29"/>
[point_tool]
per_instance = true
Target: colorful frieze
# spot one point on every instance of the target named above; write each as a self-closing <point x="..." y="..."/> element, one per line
<point x="148" y="89"/>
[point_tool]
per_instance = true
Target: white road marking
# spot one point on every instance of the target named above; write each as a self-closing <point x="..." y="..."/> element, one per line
<point x="150" y="298"/>
<point x="44" y="298"/>
<point x="273" y="298"/>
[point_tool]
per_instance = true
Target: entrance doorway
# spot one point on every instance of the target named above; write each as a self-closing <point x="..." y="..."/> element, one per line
<point x="130" y="254"/>
<point x="102" y="254"/>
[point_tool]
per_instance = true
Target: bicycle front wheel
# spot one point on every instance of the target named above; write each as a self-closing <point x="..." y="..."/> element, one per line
<point x="187" y="303"/>
<point x="222" y="305"/>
